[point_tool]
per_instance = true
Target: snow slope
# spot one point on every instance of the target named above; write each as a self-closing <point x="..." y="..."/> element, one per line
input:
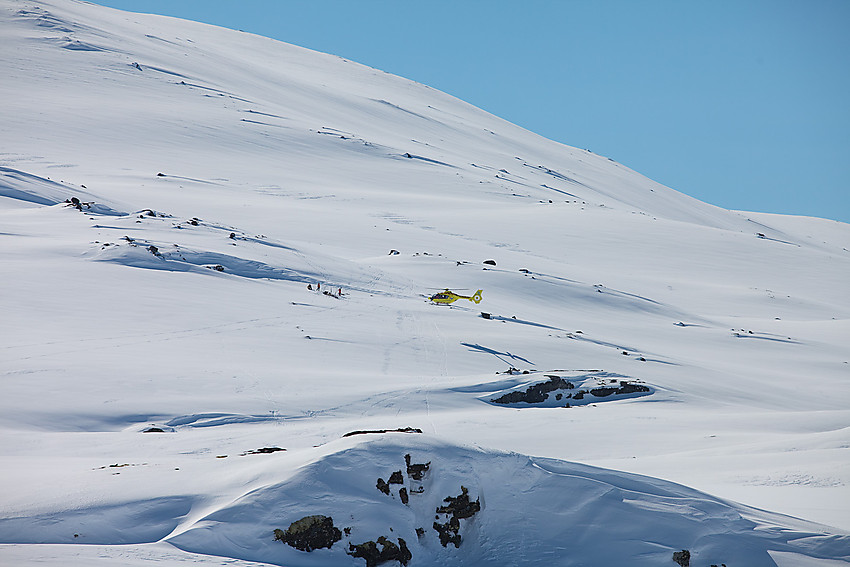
<point x="219" y="173"/>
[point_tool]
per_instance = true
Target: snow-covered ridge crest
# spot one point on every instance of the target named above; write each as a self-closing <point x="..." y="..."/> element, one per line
<point x="229" y="91"/>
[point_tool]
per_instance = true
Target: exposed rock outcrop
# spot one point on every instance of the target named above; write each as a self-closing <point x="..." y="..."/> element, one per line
<point x="536" y="393"/>
<point x="457" y="508"/>
<point x="309" y="533"/>
<point x="389" y="551"/>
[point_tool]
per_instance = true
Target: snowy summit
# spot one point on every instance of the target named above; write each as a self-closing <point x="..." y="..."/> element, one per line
<point x="218" y="256"/>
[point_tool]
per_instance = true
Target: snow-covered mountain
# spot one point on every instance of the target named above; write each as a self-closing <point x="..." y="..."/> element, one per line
<point x="646" y="374"/>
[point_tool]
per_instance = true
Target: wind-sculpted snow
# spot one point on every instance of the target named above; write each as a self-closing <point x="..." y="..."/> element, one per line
<point x="35" y="190"/>
<point x="532" y="511"/>
<point x="185" y="260"/>
<point x="112" y="524"/>
<point x="216" y="258"/>
<point x="283" y="262"/>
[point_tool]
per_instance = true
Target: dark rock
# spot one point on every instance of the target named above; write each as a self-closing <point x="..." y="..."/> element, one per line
<point x="396" y="478"/>
<point x="448" y="532"/>
<point x="394" y="252"/>
<point x="263" y="451"/>
<point x="630" y="388"/>
<point x="420" y="532"/>
<point x="388" y="552"/>
<point x="160" y="174"/>
<point x="416" y="470"/>
<point x="683" y="558"/>
<point x="153" y="430"/>
<point x="309" y="533"/>
<point x="383" y="486"/>
<point x="485" y="315"/>
<point x="402" y="493"/>
<point x="579" y="395"/>
<point x="490" y="262"/>
<point x="217" y="268"/>
<point x="604" y="391"/>
<point x="193" y="222"/>
<point x="536" y="393"/>
<point x="457" y="508"/>
<point x="400" y="430"/>
<point x="153" y="250"/>
<point x="460" y="506"/>
<point x="368" y="551"/>
<point x="232" y="236"/>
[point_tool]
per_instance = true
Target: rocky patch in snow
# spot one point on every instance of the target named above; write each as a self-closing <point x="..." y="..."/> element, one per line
<point x="309" y="533"/>
<point x="388" y="552"/>
<point x="457" y="508"/>
<point x="579" y="390"/>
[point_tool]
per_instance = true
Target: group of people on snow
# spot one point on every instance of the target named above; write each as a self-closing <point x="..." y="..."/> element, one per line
<point x="327" y="292"/>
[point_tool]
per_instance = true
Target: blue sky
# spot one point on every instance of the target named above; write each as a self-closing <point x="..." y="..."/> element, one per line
<point x="744" y="104"/>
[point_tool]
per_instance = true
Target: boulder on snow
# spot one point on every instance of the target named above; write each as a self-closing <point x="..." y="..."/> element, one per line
<point x="683" y="558"/>
<point x="388" y="552"/>
<point x="416" y="470"/>
<point x="309" y="533"/>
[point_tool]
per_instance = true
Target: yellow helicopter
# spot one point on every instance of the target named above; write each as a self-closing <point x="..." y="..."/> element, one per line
<point x="448" y="296"/>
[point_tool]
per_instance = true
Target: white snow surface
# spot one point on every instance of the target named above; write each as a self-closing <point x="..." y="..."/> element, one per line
<point x="219" y="173"/>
